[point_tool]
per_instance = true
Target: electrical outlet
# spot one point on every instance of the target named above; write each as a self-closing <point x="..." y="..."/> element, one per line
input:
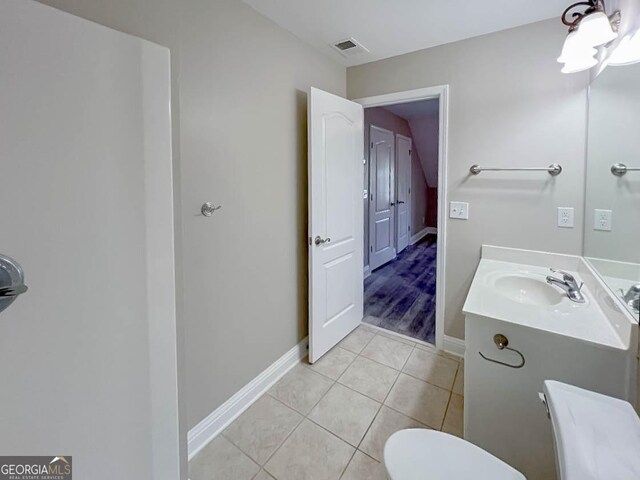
<point x="565" y="217"/>
<point x="602" y="220"/>
<point x="459" y="210"/>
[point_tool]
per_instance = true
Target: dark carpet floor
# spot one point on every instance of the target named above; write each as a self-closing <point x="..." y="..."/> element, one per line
<point x="401" y="295"/>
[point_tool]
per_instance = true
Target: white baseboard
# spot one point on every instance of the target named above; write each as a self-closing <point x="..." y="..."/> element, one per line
<point x="367" y="271"/>
<point x="221" y="417"/>
<point x="422" y="233"/>
<point x="454" y="346"/>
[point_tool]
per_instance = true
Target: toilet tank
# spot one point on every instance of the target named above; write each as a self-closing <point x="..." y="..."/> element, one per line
<point x="596" y="436"/>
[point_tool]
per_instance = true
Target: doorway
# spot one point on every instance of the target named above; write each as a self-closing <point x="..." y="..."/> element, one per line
<point x="404" y="212"/>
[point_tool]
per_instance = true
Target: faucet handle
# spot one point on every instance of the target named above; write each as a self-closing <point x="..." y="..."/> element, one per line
<point x="566" y="275"/>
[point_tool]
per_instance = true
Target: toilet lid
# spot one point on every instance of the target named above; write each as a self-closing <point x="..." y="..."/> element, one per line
<point x="420" y="454"/>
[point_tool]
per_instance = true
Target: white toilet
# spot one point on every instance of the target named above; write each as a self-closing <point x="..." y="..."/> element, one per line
<point x="596" y="438"/>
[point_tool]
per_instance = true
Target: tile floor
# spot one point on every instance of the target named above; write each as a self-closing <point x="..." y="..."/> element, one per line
<point x="330" y="420"/>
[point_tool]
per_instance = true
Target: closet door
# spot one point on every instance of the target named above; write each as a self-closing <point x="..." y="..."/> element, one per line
<point x="381" y="198"/>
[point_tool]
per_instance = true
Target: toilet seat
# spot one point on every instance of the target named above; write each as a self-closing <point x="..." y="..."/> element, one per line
<point x="420" y="454"/>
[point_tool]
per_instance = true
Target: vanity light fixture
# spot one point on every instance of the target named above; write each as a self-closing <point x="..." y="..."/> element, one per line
<point x="588" y="29"/>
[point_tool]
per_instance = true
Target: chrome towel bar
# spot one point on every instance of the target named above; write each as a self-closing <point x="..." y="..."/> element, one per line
<point x="620" y="169"/>
<point x="553" y="169"/>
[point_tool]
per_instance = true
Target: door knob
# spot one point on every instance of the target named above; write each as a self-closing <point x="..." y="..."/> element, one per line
<point x="400" y="201"/>
<point x="319" y="241"/>
<point x="392" y="204"/>
<point x="11" y="281"/>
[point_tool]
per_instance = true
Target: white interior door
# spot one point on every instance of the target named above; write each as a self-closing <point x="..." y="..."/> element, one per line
<point x="335" y="220"/>
<point x="381" y="197"/>
<point x="403" y="192"/>
<point x="88" y="352"/>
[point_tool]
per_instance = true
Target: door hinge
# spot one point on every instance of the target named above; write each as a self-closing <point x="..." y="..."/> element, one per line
<point x="409" y="189"/>
<point x="371" y="144"/>
<point x="409" y="228"/>
<point x="409" y="152"/>
<point x="371" y="248"/>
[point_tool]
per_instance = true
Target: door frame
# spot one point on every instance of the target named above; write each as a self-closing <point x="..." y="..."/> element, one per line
<point x="441" y="92"/>
<point x="397" y="179"/>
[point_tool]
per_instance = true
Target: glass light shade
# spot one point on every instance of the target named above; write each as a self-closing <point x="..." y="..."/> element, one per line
<point x="627" y="51"/>
<point x="595" y="29"/>
<point x="579" y="65"/>
<point x="575" y="48"/>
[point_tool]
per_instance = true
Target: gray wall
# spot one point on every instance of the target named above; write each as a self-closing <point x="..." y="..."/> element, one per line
<point x="509" y="105"/>
<point x="239" y="119"/>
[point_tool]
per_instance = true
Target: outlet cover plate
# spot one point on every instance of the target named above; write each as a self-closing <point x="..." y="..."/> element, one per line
<point x="565" y="217"/>
<point x="602" y="220"/>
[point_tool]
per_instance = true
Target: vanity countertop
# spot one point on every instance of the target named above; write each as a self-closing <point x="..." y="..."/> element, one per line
<point x="513" y="288"/>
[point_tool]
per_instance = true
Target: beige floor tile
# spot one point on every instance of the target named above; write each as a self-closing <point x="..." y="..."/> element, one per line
<point x="221" y="460"/>
<point x="345" y="413"/>
<point x="263" y="475"/>
<point x="301" y="389"/>
<point x="363" y="467"/>
<point x="389" y="352"/>
<point x="420" y="400"/>
<point x="454" y="419"/>
<point x="357" y="340"/>
<point x="432" y="368"/>
<point x="369" y="378"/>
<point x="386" y="424"/>
<point x="260" y="430"/>
<point x="442" y="353"/>
<point x="458" y="385"/>
<point x="333" y="363"/>
<point x="310" y="453"/>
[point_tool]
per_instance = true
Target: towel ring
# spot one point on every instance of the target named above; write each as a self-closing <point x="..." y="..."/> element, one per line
<point x="502" y="343"/>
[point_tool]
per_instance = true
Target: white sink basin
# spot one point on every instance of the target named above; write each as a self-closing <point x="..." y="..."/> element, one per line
<point x="518" y="293"/>
<point x="527" y="290"/>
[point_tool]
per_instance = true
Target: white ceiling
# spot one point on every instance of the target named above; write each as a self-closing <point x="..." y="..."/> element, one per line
<point x="422" y="117"/>
<point x="393" y="27"/>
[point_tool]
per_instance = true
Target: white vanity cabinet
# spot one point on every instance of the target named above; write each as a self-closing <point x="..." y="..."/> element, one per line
<point x="591" y="345"/>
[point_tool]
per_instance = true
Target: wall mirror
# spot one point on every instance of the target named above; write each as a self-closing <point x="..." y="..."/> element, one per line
<point x="612" y="196"/>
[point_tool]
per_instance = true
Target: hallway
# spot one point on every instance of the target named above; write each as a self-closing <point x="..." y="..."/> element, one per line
<point x="401" y="295"/>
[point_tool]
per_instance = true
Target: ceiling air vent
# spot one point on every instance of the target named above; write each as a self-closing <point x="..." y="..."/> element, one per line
<point x="349" y="47"/>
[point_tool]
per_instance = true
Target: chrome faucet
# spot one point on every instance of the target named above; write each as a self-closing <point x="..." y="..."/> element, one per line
<point x="568" y="284"/>
<point x="632" y="297"/>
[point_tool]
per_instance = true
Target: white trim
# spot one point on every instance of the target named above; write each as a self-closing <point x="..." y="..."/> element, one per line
<point x="454" y="346"/>
<point x="391" y="333"/>
<point x="209" y="427"/>
<point x="367" y="271"/>
<point x="440" y="92"/>
<point x="421" y="234"/>
<point x="397" y="180"/>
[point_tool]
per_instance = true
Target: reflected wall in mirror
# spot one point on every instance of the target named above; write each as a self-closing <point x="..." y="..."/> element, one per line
<point x="612" y="200"/>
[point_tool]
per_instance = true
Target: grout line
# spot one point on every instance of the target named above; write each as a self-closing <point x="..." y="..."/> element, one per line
<point x="382" y="404"/>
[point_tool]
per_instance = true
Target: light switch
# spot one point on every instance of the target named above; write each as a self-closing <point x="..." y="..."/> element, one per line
<point x="565" y="217"/>
<point x="459" y="210"/>
<point x="602" y="220"/>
